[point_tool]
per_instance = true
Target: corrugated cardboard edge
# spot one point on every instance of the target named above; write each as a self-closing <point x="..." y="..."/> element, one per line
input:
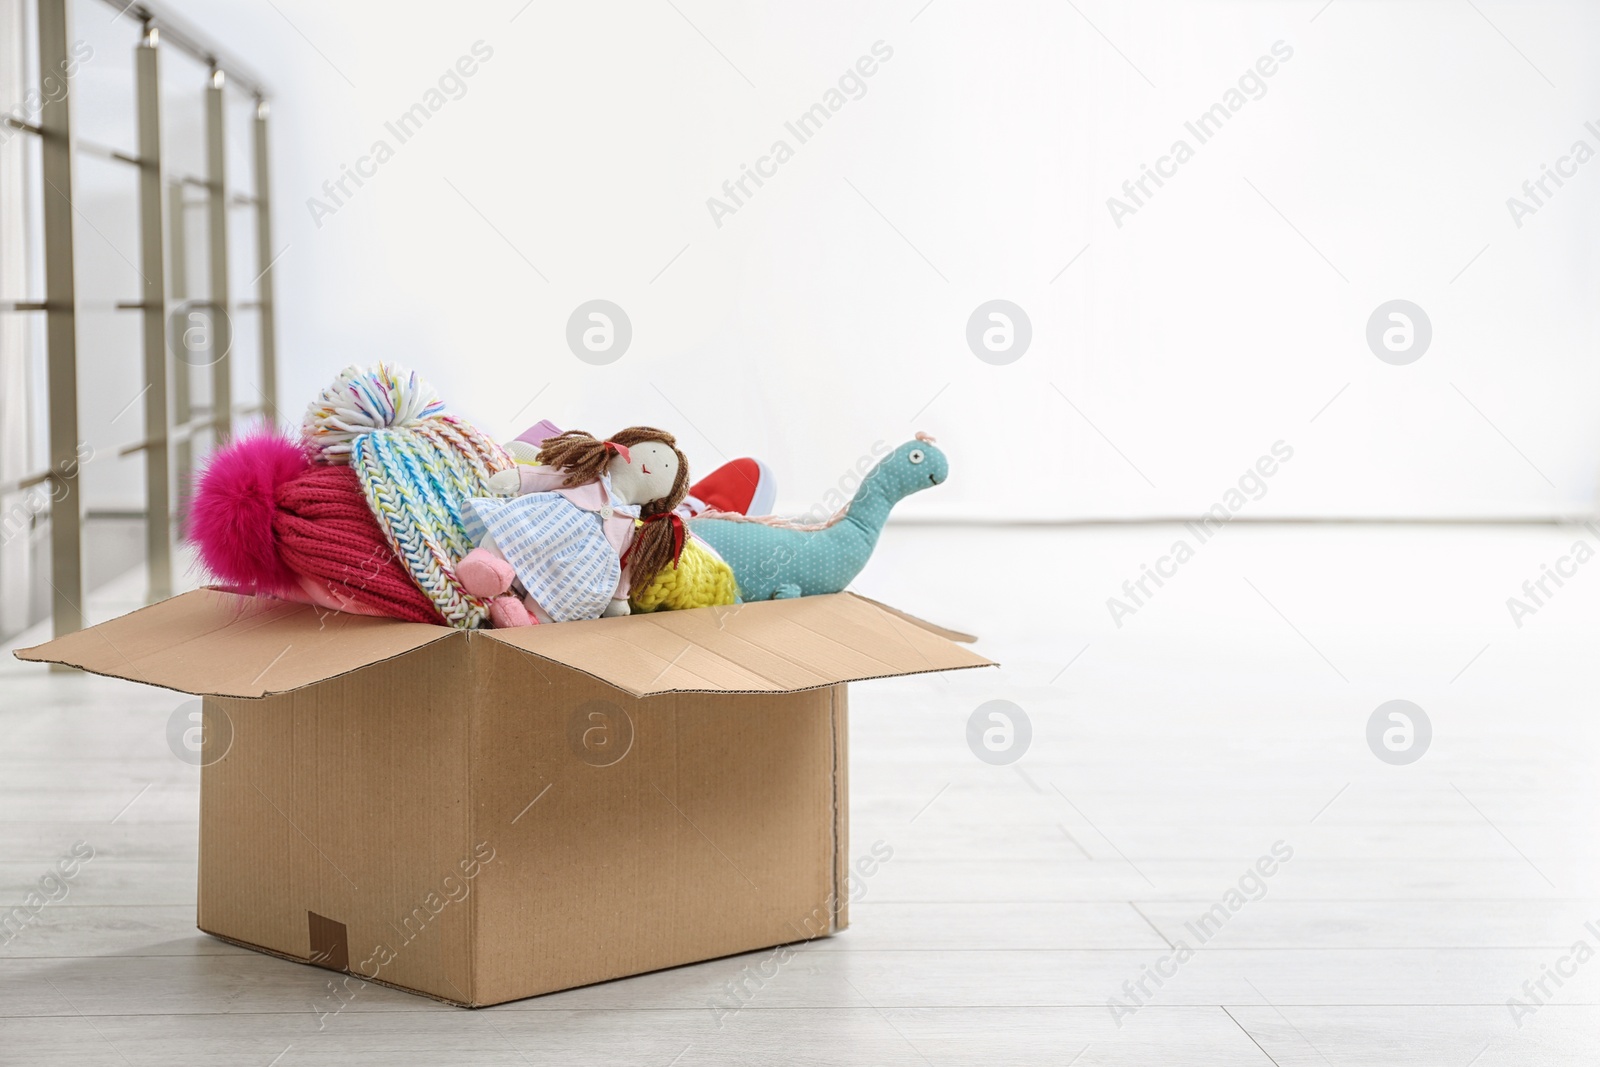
<point x="642" y="694"/>
<point x="932" y="628"/>
<point x="227" y="696"/>
<point x="354" y="974"/>
<point x="839" y="713"/>
<point x="24" y="654"/>
<point x="445" y="633"/>
<point x="480" y="676"/>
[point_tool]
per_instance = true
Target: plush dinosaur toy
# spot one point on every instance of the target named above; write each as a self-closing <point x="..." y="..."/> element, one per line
<point x="774" y="559"/>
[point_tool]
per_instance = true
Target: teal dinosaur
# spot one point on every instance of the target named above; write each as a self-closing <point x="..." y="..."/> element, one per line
<point x="773" y="561"/>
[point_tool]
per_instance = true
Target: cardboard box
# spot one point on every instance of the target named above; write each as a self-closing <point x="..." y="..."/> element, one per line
<point x="481" y="816"/>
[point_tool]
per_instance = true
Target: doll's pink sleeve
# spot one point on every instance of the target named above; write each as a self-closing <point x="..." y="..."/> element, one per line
<point x="539" y="479"/>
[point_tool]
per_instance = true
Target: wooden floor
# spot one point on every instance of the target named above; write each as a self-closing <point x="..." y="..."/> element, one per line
<point x="1227" y="714"/>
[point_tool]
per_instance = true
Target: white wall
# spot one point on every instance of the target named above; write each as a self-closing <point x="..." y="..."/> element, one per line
<point x="830" y="311"/>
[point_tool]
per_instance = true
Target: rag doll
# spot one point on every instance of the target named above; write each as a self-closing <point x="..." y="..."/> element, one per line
<point x="591" y="522"/>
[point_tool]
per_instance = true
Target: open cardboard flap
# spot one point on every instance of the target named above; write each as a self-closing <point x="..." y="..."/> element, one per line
<point x="933" y="628"/>
<point x="774" y="646"/>
<point x="213" y="643"/>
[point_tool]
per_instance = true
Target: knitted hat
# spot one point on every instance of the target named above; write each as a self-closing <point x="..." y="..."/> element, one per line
<point x="268" y="521"/>
<point x="325" y="531"/>
<point x="417" y="467"/>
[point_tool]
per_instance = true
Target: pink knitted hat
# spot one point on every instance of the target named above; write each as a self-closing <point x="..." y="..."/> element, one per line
<point x="268" y="521"/>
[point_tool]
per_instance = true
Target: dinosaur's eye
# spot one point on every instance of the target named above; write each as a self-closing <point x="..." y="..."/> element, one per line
<point x="915" y="455"/>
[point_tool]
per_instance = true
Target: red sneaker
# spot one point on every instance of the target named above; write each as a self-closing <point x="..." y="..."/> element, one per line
<point x="744" y="486"/>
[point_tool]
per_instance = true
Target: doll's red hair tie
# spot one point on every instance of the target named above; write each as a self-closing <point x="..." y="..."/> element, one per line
<point x="621" y="450"/>
<point x="679" y="533"/>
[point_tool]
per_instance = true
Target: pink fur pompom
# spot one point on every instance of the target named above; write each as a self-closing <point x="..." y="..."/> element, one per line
<point x="235" y="498"/>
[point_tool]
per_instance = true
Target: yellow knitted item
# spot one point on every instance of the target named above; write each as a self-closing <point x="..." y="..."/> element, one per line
<point x="700" y="580"/>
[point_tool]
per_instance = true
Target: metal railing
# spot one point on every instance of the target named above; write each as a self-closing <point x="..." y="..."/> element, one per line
<point x="168" y="430"/>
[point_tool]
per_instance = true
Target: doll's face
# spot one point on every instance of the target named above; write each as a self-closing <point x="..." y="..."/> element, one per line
<point x="647" y="474"/>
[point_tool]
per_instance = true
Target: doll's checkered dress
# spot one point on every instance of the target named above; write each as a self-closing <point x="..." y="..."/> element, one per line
<point x="559" y="551"/>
